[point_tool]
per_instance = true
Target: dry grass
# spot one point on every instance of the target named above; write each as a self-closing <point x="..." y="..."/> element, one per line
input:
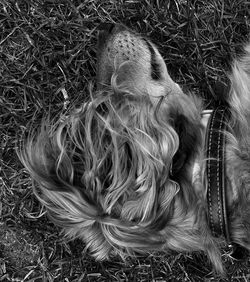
<point x="47" y="49"/>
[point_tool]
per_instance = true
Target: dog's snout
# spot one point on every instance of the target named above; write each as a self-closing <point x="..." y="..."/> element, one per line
<point x="116" y="44"/>
<point x="119" y="45"/>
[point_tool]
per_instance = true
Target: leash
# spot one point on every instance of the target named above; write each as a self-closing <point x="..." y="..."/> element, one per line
<point x="216" y="181"/>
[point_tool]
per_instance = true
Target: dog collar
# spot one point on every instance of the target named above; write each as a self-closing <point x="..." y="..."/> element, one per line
<point x="216" y="181"/>
<point x="215" y="172"/>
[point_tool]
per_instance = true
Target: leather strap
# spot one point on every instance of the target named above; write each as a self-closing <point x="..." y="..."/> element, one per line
<point x="215" y="168"/>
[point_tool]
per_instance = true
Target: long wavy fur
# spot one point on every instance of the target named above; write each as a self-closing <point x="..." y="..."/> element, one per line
<point x="117" y="172"/>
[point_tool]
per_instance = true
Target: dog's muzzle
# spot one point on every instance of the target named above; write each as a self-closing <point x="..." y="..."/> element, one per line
<point x="117" y="44"/>
<point x="134" y="61"/>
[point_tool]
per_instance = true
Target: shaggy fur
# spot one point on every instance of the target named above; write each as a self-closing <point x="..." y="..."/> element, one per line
<point x="118" y="171"/>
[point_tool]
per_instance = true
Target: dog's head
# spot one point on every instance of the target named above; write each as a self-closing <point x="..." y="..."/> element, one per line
<point x="130" y="62"/>
<point x="117" y="171"/>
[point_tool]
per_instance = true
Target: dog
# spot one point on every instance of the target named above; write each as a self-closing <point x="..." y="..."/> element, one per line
<point x="126" y="171"/>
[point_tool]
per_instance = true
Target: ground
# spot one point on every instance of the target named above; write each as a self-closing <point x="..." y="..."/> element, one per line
<point x="48" y="51"/>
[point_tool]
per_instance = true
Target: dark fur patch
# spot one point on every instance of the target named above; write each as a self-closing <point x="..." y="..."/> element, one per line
<point x="155" y="67"/>
<point x="189" y="136"/>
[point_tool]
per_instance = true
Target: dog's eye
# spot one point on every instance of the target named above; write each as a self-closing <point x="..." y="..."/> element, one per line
<point x="156" y="70"/>
<point x="156" y="73"/>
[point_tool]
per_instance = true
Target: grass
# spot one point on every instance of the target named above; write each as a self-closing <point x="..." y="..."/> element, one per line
<point x="47" y="50"/>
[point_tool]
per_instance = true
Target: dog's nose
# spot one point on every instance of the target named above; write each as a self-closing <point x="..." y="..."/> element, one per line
<point x="110" y="28"/>
<point x="105" y="31"/>
<point x="107" y="27"/>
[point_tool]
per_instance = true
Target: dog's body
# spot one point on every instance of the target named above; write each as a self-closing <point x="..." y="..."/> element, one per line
<point x="126" y="171"/>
